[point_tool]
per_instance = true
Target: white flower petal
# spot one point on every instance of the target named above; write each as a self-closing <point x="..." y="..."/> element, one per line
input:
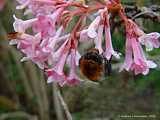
<point x="49" y="80"/>
<point x="40" y="65"/>
<point x="146" y="71"/>
<point x="24" y="59"/>
<point x="151" y="64"/>
<point x="149" y="46"/>
<point x="13" y="42"/>
<point x="93" y="27"/>
<point x="116" y="54"/>
<point x="92" y="33"/>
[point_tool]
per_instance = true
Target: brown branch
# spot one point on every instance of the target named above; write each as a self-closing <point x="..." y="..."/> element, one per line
<point x="150" y="12"/>
<point x="60" y="103"/>
<point x="65" y="107"/>
<point x="57" y="104"/>
<point x="133" y="12"/>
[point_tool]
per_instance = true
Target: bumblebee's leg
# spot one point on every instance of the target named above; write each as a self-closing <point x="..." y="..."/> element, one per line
<point x="107" y="67"/>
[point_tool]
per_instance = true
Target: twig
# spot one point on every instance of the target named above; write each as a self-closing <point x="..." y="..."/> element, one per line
<point x="68" y="114"/>
<point x="57" y="104"/>
<point x="58" y="100"/>
<point x="150" y="12"/>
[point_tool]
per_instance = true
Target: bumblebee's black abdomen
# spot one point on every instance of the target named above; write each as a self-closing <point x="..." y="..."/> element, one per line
<point x="91" y="65"/>
<point x="91" y="69"/>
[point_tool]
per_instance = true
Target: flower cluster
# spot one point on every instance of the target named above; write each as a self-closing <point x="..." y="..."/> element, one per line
<point x="135" y="59"/>
<point x="51" y="47"/>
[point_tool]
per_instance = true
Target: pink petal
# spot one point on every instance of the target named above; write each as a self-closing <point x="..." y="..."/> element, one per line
<point x="56" y="73"/>
<point x="21" y="26"/>
<point x="128" y="55"/>
<point x="109" y="48"/>
<point x="93" y="27"/>
<point x="44" y="25"/>
<point x="84" y="36"/>
<point x="150" y="40"/>
<point x="73" y="78"/>
<point x="98" y="39"/>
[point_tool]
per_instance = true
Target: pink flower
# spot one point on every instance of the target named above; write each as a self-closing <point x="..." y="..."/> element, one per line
<point x="30" y="46"/>
<point x="73" y="79"/>
<point x="93" y="27"/>
<point x="45" y="26"/>
<point x="55" y="39"/>
<point x="37" y="7"/>
<point x="109" y="48"/>
<point x="21" y="26"/>
<point x="84" y="36"/>
<point x="128" y="54"/>
<point x="42" y="7"/>
<point x="95" y="30"/>
<point x="55" y="55"/>
<point x="56" y="74"/>
<point x="24" y="41"/>
<point x="150" y="40"/>
<point x="77" y="57"/>
<point x="143" y="68"/>
<point x="140" y="65"/>
<point x="135" y="59"/>
<point x="98" y="39"/>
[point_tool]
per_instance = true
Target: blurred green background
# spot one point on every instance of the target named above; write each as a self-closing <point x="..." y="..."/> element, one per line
<point x="25" y="95"/>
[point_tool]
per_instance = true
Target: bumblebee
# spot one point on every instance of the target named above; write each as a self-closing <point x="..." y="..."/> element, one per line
<point x="93" y="65"/>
